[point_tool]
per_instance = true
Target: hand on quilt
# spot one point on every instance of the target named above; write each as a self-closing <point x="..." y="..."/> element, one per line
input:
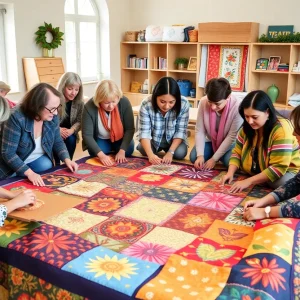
<point x="120" y="156"/>
<point x="254" y="213"/>
<point x="35" y="178"/>
<point x="167" y="159"/>
<point x="155" y="160"/>
<point x="105" y="159"/>
<point x="72" y="165"/>
<point x="199" y="162"/>
<point x="240" y="186"/>
<point x="210" y="164"/>
<point x="227" y="177"/>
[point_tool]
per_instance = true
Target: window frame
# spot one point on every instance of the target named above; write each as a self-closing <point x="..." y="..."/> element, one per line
<point x="77" y="19"/>
<point x="3" y="58"/>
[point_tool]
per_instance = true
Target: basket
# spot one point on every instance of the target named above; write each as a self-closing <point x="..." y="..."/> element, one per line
<point x="193" y="35"/>
<point x="131" y="36"/>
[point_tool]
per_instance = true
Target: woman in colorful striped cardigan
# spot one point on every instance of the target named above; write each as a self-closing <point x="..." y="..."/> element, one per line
<point x="267" y="207"/>
<point x="265" y="147"/>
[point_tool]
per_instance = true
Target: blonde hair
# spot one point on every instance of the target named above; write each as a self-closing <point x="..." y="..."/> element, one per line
<point x="4" y="110"/>
<point x="106" y="89"/>
<point x="70" y="79"/>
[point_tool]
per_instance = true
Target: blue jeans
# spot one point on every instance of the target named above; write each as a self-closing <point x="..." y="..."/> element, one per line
<point x="209" y="152"/>
<point x="41" y="164"/>
<point x="107" y="146"/>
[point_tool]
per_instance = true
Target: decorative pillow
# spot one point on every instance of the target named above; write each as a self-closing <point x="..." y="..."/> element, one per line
<point x="154" y="33"/>
<point x="173" y="34"/>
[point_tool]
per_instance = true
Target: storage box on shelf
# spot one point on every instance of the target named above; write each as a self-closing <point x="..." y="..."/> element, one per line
<point x="40" y="69"/>
<point x="287" y="82"/>
<point x="169" y="51"/>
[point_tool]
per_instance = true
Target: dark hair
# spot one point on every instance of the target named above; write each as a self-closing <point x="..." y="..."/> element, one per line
<point x="167" y="86"/>
<point x="37" y="98"/>
<point x="259" y="100"/>
<point x="217" y="89"/>
<point x="295" y="119"/>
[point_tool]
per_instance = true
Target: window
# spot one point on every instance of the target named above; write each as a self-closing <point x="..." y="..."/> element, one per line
<point x="82" y="36"/>
<point x="3" y="70"/>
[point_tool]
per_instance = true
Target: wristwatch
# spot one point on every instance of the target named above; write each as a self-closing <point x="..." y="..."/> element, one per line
<point x="267" y="211"/>
<point x="172" y="152"/>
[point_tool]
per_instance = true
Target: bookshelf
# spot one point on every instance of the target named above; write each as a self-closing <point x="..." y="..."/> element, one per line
<point x="287" y="82"/>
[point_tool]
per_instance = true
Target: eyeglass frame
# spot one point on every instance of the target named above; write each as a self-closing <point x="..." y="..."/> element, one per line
<point x="52" y="111"/>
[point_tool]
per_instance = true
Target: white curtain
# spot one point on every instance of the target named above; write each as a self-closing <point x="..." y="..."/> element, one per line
<point x="3" y="71"/>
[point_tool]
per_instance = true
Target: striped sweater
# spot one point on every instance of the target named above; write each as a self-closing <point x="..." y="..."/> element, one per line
<point x="281" y="156"/>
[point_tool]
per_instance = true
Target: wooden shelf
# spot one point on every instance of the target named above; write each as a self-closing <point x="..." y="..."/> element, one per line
<point x="135" y="69"/>
<point x="159" y="70"/>
<point x="182" y="71"/>
<point x="270" y="72"/>
<point x="295" y="73"/>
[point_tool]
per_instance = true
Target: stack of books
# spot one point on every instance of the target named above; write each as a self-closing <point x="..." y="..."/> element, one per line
<point x="159" y="63"/>
<point x="136" y="62"/>
<point x="283" y="67"/>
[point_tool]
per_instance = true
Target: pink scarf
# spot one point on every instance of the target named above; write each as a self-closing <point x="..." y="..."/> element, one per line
<point x="218" y="137"/>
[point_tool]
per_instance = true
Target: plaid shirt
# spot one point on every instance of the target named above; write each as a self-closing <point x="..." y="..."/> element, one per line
<point x="153" y="125"/>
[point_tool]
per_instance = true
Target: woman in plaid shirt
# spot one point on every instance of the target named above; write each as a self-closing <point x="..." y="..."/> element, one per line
<point x="163" y="121"/>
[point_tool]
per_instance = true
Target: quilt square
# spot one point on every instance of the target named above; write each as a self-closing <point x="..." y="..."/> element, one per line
<point x="170" y="195"/>
<point x="84" y="170"/>
<point x="259" y="192"/>
<point x="14" y="229"/>
<point x="206" y="250"/>
<point x="113" y="270"/>
<point x="195" y="220"/>
<point x="58" y="193"/>
<point x="216" y="201"/>
<point x="115" y="193"/>
<point x="193" y="173"/>
<point x="26" y="184"/>
<point x="109" y="180"/>
<point x="162" y="169"/>
<point x="104" y="241"/>
<point x="52" y="245"/>
<point x="217" y="187"/>
<point x="184" y="185"/>
<point x="237" y="217"/>
<point x="156" y="253"/>
<point x="134" y="163"/>
<point x="125" y="172"/>
<point x="95" y="161"/>
<point x="122" y="229"/>
<point x="102" y="205"/>
<point x="248" y="198"/>
<point x="83" y="188"/>
<point x="149" y="178"/>
<point x="172" y="238"/>
<point x="149" y="210"/>
<point x="134" y="187"/>
<point x="229" y="234"/>
<point x="55" y="181"/>
<point x="182" y="279"/>
<point x="74" y="220"/>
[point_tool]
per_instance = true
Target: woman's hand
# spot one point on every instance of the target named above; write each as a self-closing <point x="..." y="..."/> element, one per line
<point x="26" y="197"/>
<point x="227" y="177"/>
<point x="72" y="165"/>
<point x="167" y="159"/>
<point x="240" y="185"/>
<point x="254" y="213"/>
<point x="120" y="156"/>
<point x="35" y="178"/>
<point x="199" y="163"/>
<point x="155" y="160"/>
<point x="210" y="164"/>
<point x="105" y="159"/>
<point x="63" y="132"/>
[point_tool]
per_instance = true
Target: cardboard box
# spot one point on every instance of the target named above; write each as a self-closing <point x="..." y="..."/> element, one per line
<point x="219" y="32"/>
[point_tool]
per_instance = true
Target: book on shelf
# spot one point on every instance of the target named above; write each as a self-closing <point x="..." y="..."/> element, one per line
<point x="159" y="63"/>
<point x="137" y="62"/>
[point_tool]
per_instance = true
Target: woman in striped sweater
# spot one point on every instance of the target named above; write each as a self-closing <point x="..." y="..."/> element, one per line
<point x="265" y="147"/>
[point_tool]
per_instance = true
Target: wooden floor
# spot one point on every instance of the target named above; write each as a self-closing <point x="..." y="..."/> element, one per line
<point x="79" y="153"/>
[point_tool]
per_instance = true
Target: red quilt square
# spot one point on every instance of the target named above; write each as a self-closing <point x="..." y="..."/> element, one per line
<point x="26" y="184"/>
<point x="115" y="193"/>
<point x="195" y="220"/>
<point x="150" y="178"/>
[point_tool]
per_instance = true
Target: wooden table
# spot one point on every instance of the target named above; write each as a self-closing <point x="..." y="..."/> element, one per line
<point x="192" y="117"/>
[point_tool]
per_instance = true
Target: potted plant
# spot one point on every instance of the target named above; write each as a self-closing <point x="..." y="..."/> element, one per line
<point x="49" y="38"/>
<point x="181" y="62"/>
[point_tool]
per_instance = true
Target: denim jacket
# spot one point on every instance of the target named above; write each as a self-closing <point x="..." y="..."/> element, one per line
<point x="17" y="142"/>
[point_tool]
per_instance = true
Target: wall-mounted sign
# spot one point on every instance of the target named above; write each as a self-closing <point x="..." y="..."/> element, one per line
<point x="275" y="31"/>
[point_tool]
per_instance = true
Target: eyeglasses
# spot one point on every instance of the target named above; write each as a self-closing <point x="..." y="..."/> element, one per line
<point x="52" y="110"/>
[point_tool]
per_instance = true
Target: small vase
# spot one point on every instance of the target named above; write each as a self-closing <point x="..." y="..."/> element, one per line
<point x="273" y="92"/>
<point x="48" y="52"/>
<point x="181" y="66"/>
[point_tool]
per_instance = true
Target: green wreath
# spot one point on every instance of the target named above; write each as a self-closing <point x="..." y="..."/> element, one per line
<point x="41" y="36"/>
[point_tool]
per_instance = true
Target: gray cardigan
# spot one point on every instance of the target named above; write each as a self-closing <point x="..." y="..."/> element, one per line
<point x="89" y="125"/>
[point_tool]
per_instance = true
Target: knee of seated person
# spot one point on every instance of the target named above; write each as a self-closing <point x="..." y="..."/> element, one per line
<point x="193" y="155"/>
<point x="180" y="152"/>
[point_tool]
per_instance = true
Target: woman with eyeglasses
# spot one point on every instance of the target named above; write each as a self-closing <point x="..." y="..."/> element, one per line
<point x="267" y="207"/>
<point x="218" y="122"/>
<point x="31" y="135"/>
<point x="265" y="147"/>
<point x="70" y="86"/>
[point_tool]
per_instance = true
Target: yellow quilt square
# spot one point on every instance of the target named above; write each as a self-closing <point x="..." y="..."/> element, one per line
<point x="185" y="185"/>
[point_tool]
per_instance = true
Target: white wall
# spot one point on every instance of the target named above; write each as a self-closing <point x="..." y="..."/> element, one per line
<point x="29" y="14"/>
<point x="192" y="12"/>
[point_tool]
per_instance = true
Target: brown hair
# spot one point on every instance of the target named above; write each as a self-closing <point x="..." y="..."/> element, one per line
<point x="217" y="89"/>
<point x="37" y="99"/>
<point x="295" y="119"/>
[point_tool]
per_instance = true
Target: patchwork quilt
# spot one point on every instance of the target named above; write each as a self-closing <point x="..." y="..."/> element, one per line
<point x="148" y="232"/>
